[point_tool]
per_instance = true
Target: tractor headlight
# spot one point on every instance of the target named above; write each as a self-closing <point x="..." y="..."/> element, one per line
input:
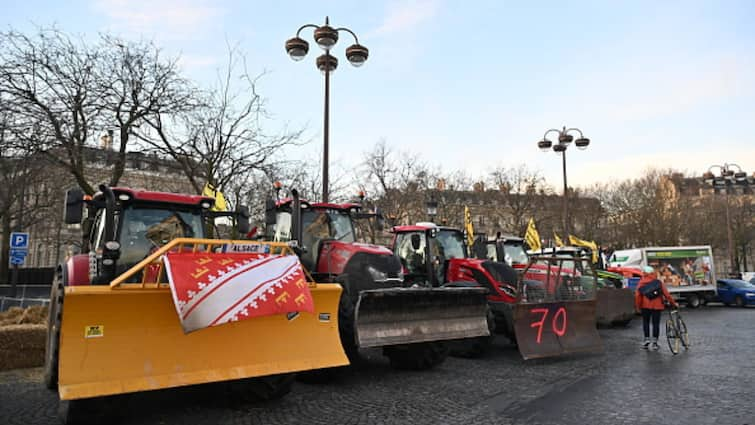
<point x="377" y="275"/>
<point x="112" y="245"/>
<point x="507" y="290"/>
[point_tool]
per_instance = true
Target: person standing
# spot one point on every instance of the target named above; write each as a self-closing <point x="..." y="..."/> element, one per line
<point x="648" y="300"/>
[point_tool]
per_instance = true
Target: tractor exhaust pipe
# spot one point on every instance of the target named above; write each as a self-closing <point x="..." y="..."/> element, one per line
<point x="111" y="248"/>
<point x="296" y="223"/>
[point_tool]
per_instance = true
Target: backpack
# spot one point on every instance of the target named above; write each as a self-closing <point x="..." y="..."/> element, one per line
<point x="652" y="290"/>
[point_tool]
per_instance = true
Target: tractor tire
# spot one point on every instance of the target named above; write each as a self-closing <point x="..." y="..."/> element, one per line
<point x="474" y="347"/>
<point x="346" y="324"/>
<point x="420" y="356"/>
<point x="54" y="320"/>
<point x="273" y="387"/>
<point x="86" y="411"/>
<point x="693" y="301"/>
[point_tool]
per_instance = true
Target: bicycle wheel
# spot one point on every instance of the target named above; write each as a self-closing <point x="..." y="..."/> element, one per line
<point x="672" y="336"/>
<point x="683" y="335"/>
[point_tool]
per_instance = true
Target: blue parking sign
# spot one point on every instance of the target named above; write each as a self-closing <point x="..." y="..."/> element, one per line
<point x="17" y="261"/>
<point x="19" y="240"/>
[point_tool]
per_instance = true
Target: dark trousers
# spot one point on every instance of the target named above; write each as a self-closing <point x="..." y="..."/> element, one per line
<point x="647" y="314"/>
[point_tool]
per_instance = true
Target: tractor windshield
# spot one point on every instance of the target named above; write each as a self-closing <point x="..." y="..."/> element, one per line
<point x="327" y="223"/>
<point x="145" y="228"/>
<point x="450" y="244"/>
<point x="515" y="254"/>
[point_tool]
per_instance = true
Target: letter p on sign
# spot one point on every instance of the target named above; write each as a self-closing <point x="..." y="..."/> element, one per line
<point x="19" y="240"/>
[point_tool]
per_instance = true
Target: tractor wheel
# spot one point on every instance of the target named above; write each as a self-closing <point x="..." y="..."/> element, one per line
<point x="54" y="319"/>
<point x="86" y="411"/>
<point x="346" y="323"/>
<point x="271" y="387"/>
<point x="420" y="356"/>
<point x="475" y="347"/>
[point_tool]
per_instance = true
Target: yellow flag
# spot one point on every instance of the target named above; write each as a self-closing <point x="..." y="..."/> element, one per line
<point x="573" y="240"/>
<point x="468" y="226"/>
<point x="531" y="236"/>
<point x="220" y="204"/>
<point x="558" y="241"/>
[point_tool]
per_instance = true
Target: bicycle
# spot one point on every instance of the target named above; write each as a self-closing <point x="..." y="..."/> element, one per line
<point x="676" y="332"/>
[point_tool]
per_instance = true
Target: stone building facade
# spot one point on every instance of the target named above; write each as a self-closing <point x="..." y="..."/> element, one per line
<point x="51" y="241"/>
<point x="707" y="205"/>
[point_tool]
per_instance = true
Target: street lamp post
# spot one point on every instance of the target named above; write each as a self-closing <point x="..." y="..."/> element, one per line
<point x="727" y="178"/>
<point x="564" y="139"/>
<point x="326" y="37"/>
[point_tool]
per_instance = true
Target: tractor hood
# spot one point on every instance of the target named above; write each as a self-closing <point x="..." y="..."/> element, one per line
<point x="334" y="255"/>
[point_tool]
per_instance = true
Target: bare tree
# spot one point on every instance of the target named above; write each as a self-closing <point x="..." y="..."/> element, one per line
<point x="72" y="91"/>
<point x="222" y="138"/>
<point x="28" y="187"/>
<point x="523" y="192"/>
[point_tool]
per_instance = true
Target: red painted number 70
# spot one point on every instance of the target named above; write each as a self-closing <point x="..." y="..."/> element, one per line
<point x="558" y="321"/>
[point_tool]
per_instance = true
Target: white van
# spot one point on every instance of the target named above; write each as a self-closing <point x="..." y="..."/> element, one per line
<point x="687" y="271"/>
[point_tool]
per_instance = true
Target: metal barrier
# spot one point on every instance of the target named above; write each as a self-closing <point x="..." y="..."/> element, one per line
<point x="8" y="302"/>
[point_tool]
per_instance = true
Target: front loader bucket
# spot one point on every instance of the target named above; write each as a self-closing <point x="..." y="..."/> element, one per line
<point x="116" y="340"/>
<point x="615" y="306"/>
<point x="410" y="315"/>
<point x="556" y="328"/>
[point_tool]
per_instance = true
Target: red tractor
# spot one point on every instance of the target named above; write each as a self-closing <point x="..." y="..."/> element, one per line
<point x="615" y="304"/>
<point x="113" y="326"/>
<point x="437" y="255"/>
<point x="379" y="307"/>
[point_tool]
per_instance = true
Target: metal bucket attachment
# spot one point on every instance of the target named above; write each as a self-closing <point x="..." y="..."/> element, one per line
<point x="409" y="315"/>
<point x="555" y="312"/>
<point x="553" y="329"/>
<point x="129" y="339"/>
<point x="615" y="306"/>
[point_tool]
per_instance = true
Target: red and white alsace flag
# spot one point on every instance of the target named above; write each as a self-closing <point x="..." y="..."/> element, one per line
<point x="210" y="289"/>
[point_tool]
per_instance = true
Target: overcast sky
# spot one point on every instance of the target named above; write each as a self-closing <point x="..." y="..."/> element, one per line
<point x="474" y="84"/>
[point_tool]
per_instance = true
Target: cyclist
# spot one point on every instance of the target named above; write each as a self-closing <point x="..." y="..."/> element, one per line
<point x="651" y="305"/>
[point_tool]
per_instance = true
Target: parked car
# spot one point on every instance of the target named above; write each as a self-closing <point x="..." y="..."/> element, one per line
<point x="735" y="291"/>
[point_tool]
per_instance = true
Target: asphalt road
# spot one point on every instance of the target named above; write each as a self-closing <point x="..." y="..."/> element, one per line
<point x="713" y="383"/>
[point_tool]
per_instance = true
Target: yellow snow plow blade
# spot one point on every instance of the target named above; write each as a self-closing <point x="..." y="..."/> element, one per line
<point x="127" y="337"/>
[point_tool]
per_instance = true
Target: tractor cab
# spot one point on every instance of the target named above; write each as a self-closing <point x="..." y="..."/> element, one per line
<point x="327" y="239"/>
<point x="426" y="251"/>
<point x="123" y="226"/>
<point x="504" y="248"/>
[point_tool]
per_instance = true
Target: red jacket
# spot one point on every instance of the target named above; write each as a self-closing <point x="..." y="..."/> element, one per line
<point x="641" y="301"/>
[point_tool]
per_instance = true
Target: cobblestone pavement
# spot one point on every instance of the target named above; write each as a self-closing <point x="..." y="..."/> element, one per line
<point x="713" y="383"/>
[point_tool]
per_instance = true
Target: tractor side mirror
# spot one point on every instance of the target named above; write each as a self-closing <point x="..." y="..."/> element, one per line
<point x="415" y="241"/>
<point x="74" y="208"/>
<point x="242" y="219"/>
<point x="270" y="215"/>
